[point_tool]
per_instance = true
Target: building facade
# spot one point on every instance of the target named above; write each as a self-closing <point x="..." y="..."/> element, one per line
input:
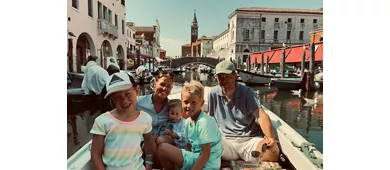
<point x="316" y="36"/>
<point x="186" y="50"/>
<point x="146" y="49"/>
<point x="246" y="34"/>
<point x="152" y="35"/>
<point x="221" y="45"/>
<point x="130" y="45"/>
<point x="130" y="40"/>
<point x="206" y="46"/>
<point x="96" y="28"/>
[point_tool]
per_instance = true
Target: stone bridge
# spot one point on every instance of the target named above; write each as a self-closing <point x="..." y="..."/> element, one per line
<point x="179" y="62"/>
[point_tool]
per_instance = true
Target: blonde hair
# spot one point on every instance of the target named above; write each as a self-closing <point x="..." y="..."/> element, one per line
<point x="194" y="87"/>
<point x="174" y="103"/>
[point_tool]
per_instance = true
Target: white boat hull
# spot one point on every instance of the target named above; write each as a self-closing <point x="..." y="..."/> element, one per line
<point x="81" y="160"/>
<point x="254" y="79"/>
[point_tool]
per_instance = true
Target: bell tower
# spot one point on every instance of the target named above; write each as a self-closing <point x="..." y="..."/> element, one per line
<point x="194" y="29"/>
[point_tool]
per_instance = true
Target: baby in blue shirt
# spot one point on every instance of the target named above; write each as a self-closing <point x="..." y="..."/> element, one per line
<point x="176" y="125"/>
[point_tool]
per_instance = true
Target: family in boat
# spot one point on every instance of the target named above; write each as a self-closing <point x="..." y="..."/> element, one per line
<point x="152" y="131"/>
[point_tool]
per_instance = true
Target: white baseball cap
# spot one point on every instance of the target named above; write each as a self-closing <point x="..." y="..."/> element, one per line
<point x="118" y="82"/>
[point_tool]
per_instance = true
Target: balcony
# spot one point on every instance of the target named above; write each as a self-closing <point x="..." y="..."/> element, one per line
<point x="130" y="51"/>
<point x="107" y="29"/>
<point x="289" y="26"/>
<point x="263" y="26"/>
<point x="315" y="26"/>
<point x="276" y="25"/>
<point x="286" y="41"/>
<point x="302" y="26"/>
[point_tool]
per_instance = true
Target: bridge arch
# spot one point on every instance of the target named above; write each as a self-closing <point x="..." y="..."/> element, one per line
<point x="179" y="62"/>
<point x="207" y="64"/>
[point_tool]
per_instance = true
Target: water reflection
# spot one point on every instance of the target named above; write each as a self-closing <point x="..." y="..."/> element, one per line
<point x="305" y="119"/>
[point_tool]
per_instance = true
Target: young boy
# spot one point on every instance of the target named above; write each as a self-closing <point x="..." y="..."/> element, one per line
<point x="203" y="138"/>
<point x="176" y="125"/>
<point x="117" y="134"/>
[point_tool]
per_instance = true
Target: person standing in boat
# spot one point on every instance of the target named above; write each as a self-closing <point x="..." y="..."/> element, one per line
<point x="117" y="134"/>
<point x="237" y="111"/>
<point x="156" y="105"/>
<point x="95" y="77"/>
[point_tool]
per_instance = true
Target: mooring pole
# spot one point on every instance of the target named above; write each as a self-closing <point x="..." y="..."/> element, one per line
<point x="282" y="59"/>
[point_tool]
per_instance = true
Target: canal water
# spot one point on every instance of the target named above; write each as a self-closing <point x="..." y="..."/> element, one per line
<point x="306" y="119"/>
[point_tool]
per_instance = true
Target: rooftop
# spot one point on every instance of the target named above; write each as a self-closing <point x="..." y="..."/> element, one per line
<point x="144" y="29"/>
<point x="205" y="38"/>
<point x="277" y="10"/>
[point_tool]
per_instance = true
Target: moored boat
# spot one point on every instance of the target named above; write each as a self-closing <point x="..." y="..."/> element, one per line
<point x="294" y="84"/>
<point x="295" y="149"/>
<point x="254" y="79"/>
<point x="288" y="83"/>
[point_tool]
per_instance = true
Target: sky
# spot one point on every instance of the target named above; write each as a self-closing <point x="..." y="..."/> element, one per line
<point x="175" y="16"/>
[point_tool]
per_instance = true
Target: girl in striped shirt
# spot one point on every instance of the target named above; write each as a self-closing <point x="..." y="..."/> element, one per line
<point x="117" y="134"/>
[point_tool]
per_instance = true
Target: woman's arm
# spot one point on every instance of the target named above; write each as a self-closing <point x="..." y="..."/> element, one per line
<point x="204" y="157"/>
<point x="97" y="152"/>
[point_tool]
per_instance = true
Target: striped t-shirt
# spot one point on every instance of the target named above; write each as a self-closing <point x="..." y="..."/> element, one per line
<point x="122" y="140"/>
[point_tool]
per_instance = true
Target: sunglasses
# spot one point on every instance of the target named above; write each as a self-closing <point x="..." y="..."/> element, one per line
<point x="165" y="74"/>
<point x="257" y="154"/>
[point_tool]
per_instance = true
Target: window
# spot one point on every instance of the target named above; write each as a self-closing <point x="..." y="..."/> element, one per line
<point x="104" y="12"/>
<point x="100" y="12"/>
<point x="289" y="20"/>
<point x="90" y="8"/>
<point x="123" y="2"/>
<point x="75" y="4"/>
<point x="262" y="36"/>
<point x="288" y="35"/>
<point x="133" y="35"/>
<point x="276" y="19"/>
<point x="123" y="27"/>
<point x="263" y="19"/>
<point x="246" y="33"/>
<point x="110" y="16"/>
<point x="314" y="21"/>
<point x="302" y="20"/>
<point x="275" y="35"/>
<point x="300" y="35"/>
<point x="116" y="20"/>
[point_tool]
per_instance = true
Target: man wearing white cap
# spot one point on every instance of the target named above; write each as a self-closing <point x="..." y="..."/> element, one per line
<point x="239" y="115"/>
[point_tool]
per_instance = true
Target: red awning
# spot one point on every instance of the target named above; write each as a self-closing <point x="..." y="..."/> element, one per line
<point x="293" y="57"/>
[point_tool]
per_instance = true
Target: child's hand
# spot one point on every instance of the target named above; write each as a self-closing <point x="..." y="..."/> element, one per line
<point x="167" y="132"/>
<point x="149" y="167"/>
